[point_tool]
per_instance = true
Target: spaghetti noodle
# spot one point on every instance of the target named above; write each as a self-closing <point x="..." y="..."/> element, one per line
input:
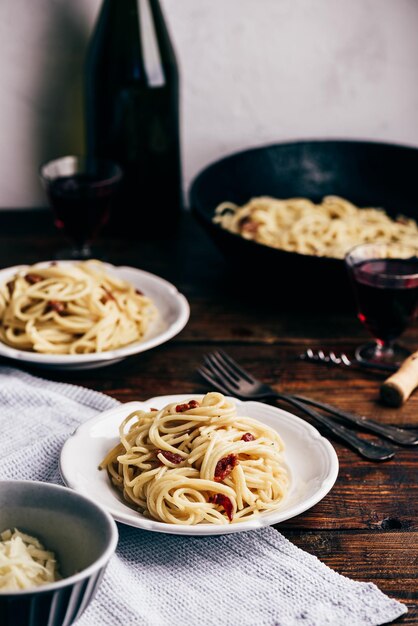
<point x="74" y="308"/>
<point x="198" y="462"/>
<point x="330" y="228"/>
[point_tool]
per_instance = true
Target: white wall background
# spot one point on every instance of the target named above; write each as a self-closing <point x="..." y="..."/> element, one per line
<point x="254" y="71"/>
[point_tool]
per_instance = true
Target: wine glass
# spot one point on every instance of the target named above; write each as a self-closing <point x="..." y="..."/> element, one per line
<point x="80" y="191"/>
<point x="385" y="283"/>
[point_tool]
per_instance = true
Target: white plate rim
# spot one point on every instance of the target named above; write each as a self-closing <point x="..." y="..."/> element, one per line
<point x="132" y="518"/>
<point x="110" y="355"/>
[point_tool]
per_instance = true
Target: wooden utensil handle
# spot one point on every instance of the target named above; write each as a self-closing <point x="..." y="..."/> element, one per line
<point x="398" y="387"/>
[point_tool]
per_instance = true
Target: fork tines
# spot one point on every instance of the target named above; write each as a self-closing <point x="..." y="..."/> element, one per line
<point x="208" y="376"/>
<point x="220" y="370"/>
<point x="220" y="361"/>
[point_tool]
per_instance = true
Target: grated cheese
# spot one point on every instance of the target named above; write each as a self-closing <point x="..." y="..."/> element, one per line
<point x="24" y="562"/>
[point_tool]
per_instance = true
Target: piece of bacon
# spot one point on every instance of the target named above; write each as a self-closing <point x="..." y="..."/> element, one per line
<point x="108" y="296"/>
<point x="171" y="456"/>
<point x="33" y="278"/>
<point x="151" y="409"/>
<point x="224" y="467"/>
<point x="139" y="292"/>
<point x="248" y="226"/>
<point x="247" y="437"/>
<point x="57" y="306"/>
<point x="224" y="501"/>
<point x="193" y="404"/>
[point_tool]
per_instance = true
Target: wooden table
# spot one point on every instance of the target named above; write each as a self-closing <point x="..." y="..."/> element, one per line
<point x="366" y="528"/>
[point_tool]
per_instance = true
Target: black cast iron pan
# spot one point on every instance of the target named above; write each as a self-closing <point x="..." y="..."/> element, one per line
<point x="366" y="173"/>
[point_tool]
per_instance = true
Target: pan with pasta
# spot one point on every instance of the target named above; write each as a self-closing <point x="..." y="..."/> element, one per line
<point x="288" y="212"/>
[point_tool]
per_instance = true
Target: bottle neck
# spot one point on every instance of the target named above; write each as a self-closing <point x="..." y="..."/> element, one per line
<point x="163" y="35"/>
<point x="157" y="51"/>
<point x="132" y="42"/>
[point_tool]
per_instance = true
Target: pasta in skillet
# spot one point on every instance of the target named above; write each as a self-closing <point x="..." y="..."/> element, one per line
<point x="198" y="461"/>
<point x="75" y="308"/>
<point x="330" y="228"/>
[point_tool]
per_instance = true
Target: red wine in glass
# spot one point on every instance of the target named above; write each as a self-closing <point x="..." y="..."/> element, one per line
<point x="386" y="310"/>
<point x="386" y="291"/>
<point x="80" y="193"/>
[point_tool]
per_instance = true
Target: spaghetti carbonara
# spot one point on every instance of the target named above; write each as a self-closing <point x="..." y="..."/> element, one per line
<point x="329" y="229"/>
<point x="24" y="562"/>
<point x="76" y="308"/>
<point x="198" y="461"/>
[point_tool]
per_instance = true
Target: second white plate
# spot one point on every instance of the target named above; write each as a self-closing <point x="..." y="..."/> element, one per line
<point x="312" y="461"/>
<point x="173" y="310"/>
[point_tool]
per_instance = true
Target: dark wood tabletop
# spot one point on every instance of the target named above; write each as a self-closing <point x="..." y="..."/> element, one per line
<point x="366" y="527"/>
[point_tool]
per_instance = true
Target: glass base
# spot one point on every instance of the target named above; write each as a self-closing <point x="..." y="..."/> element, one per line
<point x="380" y="355"/>
<point x="79" y="254"/>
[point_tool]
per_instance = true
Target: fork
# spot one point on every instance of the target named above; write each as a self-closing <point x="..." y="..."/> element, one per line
<point x="254" y="387"/>
<point x="227" y="376"/>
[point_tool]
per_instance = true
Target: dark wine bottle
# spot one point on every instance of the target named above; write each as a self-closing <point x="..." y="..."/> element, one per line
<point x="132" y="113"/>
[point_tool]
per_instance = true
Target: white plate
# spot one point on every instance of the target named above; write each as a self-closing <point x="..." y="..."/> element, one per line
<point x="173" y="311"/>
<point x="311" y="459"/>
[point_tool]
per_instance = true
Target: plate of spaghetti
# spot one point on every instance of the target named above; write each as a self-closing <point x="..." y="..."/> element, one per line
<point x="80" y="315"/>
<point x="199" y="465"/>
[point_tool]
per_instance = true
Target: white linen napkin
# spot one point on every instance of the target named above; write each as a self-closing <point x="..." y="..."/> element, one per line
<point x="256" y="578"/>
